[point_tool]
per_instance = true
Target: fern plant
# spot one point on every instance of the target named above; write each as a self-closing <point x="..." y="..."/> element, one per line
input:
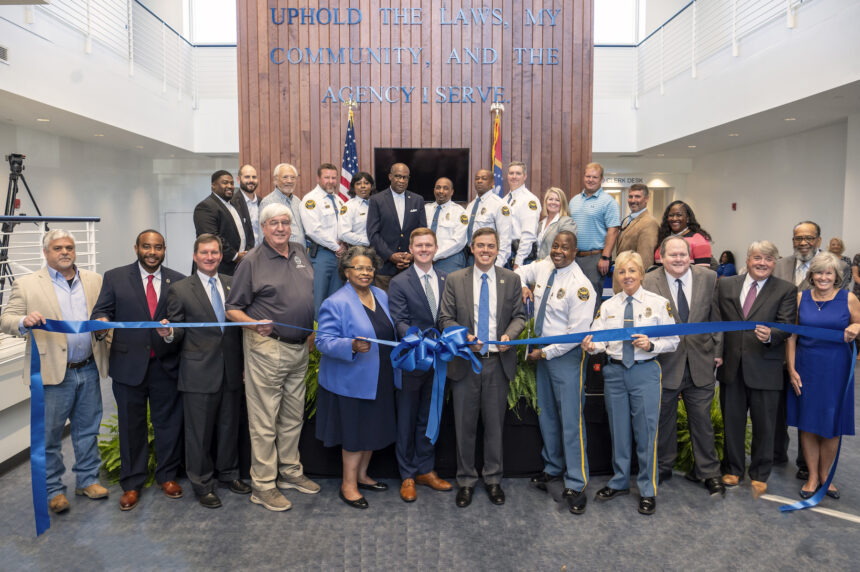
<point x="109" y="450"/>
<point x="524" y="384"/>
<point x="685" y="461"/>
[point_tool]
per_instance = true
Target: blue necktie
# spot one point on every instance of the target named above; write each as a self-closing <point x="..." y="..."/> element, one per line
<point x="333" y="203"/>
<point x="472" y="221"/>
<point x="484" y="314"/>
<point x="217" y="303"/>
<point x="510" y="196"/>
<point x="627" y="350"/>
<point x="542" y="310"/>
<point x="683" y="306"/>
<point x="435" y="222"/>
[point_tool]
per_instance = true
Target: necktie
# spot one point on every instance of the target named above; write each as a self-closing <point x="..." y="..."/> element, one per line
<point x="542" y="309"/>
<point x="800" y="273"/>
<point x="152" y="302"/>
<point x="683" y="306"/>
<point x="435" y="222"/>
<point x="217" y="303"/>
<point x="484" y="313"/>
<point x="472" y="221"/>
<point x="510" y="196"/>
<point x="431" y="298"/>
<point x="626" y="222"/>
<point x="627" y="351"/>
<point x="748" y="302"/>
<point x="333" y="203"/>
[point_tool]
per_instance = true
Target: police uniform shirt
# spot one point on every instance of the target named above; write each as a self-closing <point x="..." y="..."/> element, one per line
<point x="320" y="217"/>
<point x="451" y="228"/>
<point x="570" y="306"/>
<point x="493" y="212"/>
<point x="525" y="217"/>
<point x="649" y="309"/>
<point x="352" y="222"/>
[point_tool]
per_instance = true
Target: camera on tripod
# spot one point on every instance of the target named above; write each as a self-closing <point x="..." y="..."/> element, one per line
<point x="16" y="163"/>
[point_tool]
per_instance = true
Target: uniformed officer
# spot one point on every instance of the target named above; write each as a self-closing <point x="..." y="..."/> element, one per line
<point x="449" y="221"/>
<point x="320" y="211"/>
<point x="632" y="379"/>
<point x="489" y="210"/>
<point x="352" y="222"/>
<point x="525" y="215"/>
<point x="564" y="298"/>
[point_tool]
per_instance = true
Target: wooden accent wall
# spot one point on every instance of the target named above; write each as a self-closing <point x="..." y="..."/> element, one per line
<point x="548" y="108"/>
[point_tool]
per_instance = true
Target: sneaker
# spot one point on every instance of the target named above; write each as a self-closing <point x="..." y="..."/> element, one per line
<point x="301" y="483"/>
<point x="94" y="491"/>
<point x="271" y="499"/>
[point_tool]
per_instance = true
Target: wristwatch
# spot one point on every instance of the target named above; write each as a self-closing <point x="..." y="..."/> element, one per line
<point x="542" y="354"/>
<point x="602" y="257"/>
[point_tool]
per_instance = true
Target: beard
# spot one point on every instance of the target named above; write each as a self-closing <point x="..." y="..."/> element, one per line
<point x="805" y="257"/>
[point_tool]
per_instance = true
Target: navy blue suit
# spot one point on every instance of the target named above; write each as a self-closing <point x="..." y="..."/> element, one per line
<point x="383" y="227"/>
<point x="409" y="307"/>
<point x="139" y="377"/>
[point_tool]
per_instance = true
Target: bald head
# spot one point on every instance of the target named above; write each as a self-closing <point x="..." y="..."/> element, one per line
<point x="248" y="180"/>
<point x="443" y="190"/>
<point x="399" y="177"/>
<point x="483" y="181"/>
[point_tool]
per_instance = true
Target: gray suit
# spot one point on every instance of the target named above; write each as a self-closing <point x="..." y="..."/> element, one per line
<point x="785" y="266"/>
<point x="563" y="223"/>
<point x="484" y="393"/>
<point x="689" y="372"/>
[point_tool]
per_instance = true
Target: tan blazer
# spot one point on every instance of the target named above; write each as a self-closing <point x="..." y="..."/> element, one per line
<point x="35" y="293"/>
<point x="640" y="236"/>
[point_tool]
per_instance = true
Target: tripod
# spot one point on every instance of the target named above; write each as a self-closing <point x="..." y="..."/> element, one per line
<point x="16" y="171"/>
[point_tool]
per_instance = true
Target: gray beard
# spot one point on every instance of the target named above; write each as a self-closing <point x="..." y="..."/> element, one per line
<point x="806" y="258"/>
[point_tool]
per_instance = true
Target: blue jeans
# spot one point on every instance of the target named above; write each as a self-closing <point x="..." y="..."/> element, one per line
<point x="77" y="398"/>
<point x="326" y="279"/>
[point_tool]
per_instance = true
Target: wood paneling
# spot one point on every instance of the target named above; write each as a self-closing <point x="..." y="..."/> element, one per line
<point x="548" y="108"/>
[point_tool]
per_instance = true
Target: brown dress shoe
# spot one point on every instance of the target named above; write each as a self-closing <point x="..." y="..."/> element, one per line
<point x="171" y="489"/>
<point x="433" y="481"/>
<point x="128" y="500"/>
<point x="730" y="480"/>
<point x="758" y="488"/>
<point x="94" y="491"/>
<point x="59" y="504"/>
<point x="407" y="490"/>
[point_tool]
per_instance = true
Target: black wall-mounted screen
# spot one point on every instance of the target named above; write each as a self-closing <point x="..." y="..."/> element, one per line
<point x="425" y="166"/>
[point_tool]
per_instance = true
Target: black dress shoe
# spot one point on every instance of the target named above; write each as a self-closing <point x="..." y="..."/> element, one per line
<point x="240" y="487"/>
<point x="360" y="502"/>
<point x="647" y="505"/>
<point x="691" y="476"/>
<point x="374" y="487"/>
<point x="664" y="476"/>
<point x="543" y="479"/>
<point x="607" y="493"/>
<point x="833" y="494"/>
<point x="802" y="474"/>
<point x="496" y="494"/>
<point x="464" y="496"/>
<point x="807" y="494"/>
<point x="209" y="500"/>
<point x="576" y="500"/>
<point x="715" y="486"/>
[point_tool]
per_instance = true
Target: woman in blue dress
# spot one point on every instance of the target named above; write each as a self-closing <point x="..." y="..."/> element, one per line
<point x="821" y="407"/>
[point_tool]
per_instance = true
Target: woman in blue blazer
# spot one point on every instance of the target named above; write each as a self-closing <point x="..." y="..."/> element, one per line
<point x="355" y="402"/>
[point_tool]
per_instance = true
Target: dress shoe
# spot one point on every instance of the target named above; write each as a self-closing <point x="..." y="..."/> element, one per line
<point x="647" y="505"/>
<point x="576" y="500"/>
<point x="608" y="493"/>
<point x="94" y="491"/>
<point x="691" y="476"/>
<point x="378" y="487"/>
<point x="496" y="494"/>
<point x="730" y="480"/>
<point x="832" y="493"/>
<point x="360" y="502"/>
<point x="664" y="476"/>
<point x="464" y="496"/>
<point x="802" y="474"/>
<point x="240" y="487"/>
<point x="433" y="481"/>
<point x="128" y="500"/>
<point x="758" y="488"/>
<point x="209" y="500"/>
<point x="172" y="490"/>
<point x="807" y="494"/>
<point x="714" y="486"/>
<point x="541" y="480"/>
<point x="59" y="504"/>
<point x="407" y="490"/>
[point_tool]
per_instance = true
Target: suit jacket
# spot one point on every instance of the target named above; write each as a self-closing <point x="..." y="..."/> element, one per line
<point x="383" y="226"/>
<point x="342" y="371"/>
<point x="212" y="216"/>
<point x="700" y="349"/>
<point x="761" y="363"/>
<point x="784" y="269"/>
<point x="563" y="223"/>
<point x="35" y="293"/>
<point x="640" y="236"/>
<point x="208" y="357"/>
<point x="238" y="202"/>
<point x="458" y="309"/>
<point x="123" y="299"/>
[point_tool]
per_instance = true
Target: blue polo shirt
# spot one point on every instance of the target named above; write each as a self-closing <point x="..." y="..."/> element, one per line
<point x="594" y="215"/>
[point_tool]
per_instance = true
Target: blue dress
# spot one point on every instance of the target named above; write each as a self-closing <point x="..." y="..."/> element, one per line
<point x="823" y="407"/>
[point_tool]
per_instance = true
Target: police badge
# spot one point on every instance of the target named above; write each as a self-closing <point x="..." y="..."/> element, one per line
<point x="560" y="294"/>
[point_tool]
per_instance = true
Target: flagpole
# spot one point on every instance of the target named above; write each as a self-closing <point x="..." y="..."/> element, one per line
<point x="496" y="110"/>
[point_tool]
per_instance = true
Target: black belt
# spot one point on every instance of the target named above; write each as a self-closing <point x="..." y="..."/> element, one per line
<point x="488" y="355"/>
<point x="275" y="336"/>
<point x="619" y="362"/>
<point x="79" y="364"/>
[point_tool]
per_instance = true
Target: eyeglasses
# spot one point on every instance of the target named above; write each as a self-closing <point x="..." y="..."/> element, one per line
<point x="363" y="268"/>
<point x="400" y="177"/>
<point x="278" y="223"/>
<point x="799" y="239"/>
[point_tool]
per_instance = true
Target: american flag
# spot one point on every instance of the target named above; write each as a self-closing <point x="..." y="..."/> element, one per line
<point x="497" y="153"/>
<point x="349" y="166"/>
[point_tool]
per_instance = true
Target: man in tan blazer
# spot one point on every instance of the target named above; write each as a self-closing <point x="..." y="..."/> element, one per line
<point x="639" y="229"/>
<point x="71" y="364"/>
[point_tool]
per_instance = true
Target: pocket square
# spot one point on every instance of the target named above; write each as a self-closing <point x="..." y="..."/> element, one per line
<point x="414" y="211"/>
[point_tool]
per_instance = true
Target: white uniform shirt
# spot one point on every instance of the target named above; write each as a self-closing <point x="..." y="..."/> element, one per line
<point x="525" y="215"/>
<point x="451" y="229"/>
<point x="649" y="309"/>
<point x="320" y="217"/>
<point x="570" y="306"/>
<point x="352" y="223"/>
<point x="494" y="213"/>
<point x="476" y="293"/>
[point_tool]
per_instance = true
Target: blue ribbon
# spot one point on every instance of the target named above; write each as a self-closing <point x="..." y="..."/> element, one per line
<point x="38" y="471"/>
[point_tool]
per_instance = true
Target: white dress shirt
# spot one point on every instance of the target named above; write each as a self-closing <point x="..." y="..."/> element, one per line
<point x="254" y="212"/>
<point x="493" y="212"/>
<point x="476" y="292"/>
<point x="748" y="284"/>
<point x="649" y="309"/>
<point x="399" y="205"/>
<point x="237" y="220"/>
<point x="451" y="229"/>
<point x="525" y="215"/>
<point x="204" y="279"/>
<point x="434" y="283"/>
<point x="686" y="283"/>
<point x="352" y="223"/>
<point x="156" y="280"/>
<point x="320" y="217"/>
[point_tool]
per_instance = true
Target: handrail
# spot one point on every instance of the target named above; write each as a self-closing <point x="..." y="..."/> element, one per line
<point x="25" y="218"/>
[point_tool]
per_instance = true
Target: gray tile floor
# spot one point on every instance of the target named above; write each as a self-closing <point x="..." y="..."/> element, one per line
<point x="690" y="531"/>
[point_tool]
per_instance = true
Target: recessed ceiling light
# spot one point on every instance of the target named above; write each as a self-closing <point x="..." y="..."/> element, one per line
<point x="98" y="134"/>
<point x="791" y="119"/>
<point x="661" y="154"/>
<point x="691" y="146"/>
<point x="172" y="156"/>
<point x="734" y="134"/>
<point x="43" y="120"/>
<point x="139" y="146"/>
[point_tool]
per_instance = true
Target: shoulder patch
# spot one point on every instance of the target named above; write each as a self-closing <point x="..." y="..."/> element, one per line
<point x="669" y="309"/>
<point x="343" y="210"/>
<point x="310" y="204"/>
<point x="506" y="211"/>
<point x="583" y="294"/>
<point x="533" y="205"/>
<point x="464" y="219"/>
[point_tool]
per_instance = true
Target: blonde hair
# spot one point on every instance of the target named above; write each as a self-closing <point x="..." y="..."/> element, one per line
<point x="561" y="197"/>
<point x="594" y="166"/>
<point x="823" y="262"/>
<point x="625" y="258"/>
